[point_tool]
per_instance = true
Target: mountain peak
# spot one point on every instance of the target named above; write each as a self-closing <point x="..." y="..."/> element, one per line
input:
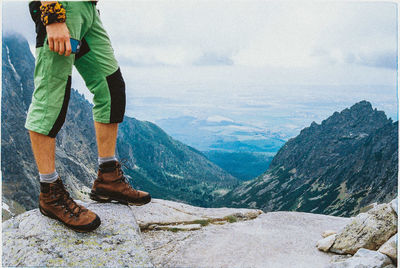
<point x="362" y="106"/>
<point x="359" y="114"/>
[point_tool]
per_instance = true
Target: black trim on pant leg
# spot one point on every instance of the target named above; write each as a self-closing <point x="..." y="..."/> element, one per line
<point x="63" y="112"/>
<point x="83" y="50"/>
<point x="116" y="85"/>
<point x="34" y="9"/>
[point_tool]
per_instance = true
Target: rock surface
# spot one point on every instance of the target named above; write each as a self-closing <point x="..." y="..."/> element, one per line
<point x="364" y="258"/>
<point x="367" y="230"/>
<point x="31" y="239"/>
<point x="390" y="248"/>
<point x="173" y="235"/>
<point x="274" y="239"/>
<point x="163" y="212"/>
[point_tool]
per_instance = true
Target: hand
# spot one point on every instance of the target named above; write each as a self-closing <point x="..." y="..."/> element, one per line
<point x="58" y="37"/>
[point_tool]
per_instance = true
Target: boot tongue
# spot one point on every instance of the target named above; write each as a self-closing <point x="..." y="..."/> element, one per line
<point x="58" y="183"/>
<point x="108" y="166"/>
<point x="70" y="202"/>
<point x="56" y="186"/>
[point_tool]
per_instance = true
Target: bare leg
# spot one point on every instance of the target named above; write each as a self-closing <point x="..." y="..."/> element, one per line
<point x="44" y="148"/>
<point x="106" y="135"/>
<point x="110" y="178"/>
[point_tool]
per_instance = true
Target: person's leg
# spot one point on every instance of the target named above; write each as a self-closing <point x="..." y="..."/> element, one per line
<point x="99" y="68"/>
<point x="46" y="115"/>
<point x="106" y="136"/>
<point x="52" y="81"/>
<point x="44" y="148"/>
<point x="48" y="109"/>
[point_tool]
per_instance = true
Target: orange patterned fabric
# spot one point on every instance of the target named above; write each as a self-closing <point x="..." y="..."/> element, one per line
<point x="54" y="12"/>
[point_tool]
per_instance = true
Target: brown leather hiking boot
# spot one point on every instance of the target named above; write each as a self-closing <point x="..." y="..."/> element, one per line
<point x="111" y="184"/>
<point x="55" y="202"/>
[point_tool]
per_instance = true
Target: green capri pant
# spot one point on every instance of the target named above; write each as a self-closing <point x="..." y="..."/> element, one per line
<point x="95" y="62"/>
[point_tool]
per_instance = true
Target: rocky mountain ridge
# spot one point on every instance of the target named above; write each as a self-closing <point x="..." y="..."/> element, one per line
<point x="337" y="167"/>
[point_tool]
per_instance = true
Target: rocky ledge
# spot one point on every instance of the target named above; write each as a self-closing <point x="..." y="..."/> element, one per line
<point x="171" y="234"/>
<point x="31" y="239"/>
<point x="275" y="239"/>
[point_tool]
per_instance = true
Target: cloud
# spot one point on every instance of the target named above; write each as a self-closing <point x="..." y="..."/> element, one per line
<point x="267" y="42"/>
<point x="245" y="33"/>
<point x="323" y="33"/>
<point x="211" y="58"/>
<point x="173" y="55"/>
<point x="381" y="59"/>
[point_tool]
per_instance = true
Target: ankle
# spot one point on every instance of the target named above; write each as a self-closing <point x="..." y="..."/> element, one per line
<point x="45" y="187"/>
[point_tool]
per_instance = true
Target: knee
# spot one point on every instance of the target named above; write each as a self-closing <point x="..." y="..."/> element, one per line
<point x="116" y="86"/>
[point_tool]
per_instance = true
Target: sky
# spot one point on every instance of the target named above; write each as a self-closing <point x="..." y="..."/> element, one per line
<point x="274" y="64"/>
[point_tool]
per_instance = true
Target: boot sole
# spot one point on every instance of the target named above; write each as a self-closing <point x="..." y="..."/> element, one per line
<point x="82" y="229"/>
<point x="107" y="199"/>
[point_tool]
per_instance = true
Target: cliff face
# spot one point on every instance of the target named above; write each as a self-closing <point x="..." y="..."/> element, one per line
<point x="17" y="84"/>
<point x="156" y="163"/>
<point x="336" y="167"/>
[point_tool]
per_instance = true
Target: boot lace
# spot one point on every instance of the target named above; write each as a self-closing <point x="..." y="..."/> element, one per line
<point x="121" y="172"/>
<point x="65" y="201"/>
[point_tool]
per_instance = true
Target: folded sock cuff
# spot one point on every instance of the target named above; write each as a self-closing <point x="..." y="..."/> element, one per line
<point x="106" y="159"/>
<point x="52" y="177"/>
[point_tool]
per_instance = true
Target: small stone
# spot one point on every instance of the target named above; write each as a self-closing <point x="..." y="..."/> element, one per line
<point x="390" y="248"/>
<point x="328" y="233"/>
<point x="364" y="258"/>
<point x="326" y="243"/>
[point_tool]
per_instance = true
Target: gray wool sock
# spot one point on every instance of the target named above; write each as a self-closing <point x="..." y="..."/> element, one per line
<point x="49" y="178"/>
<point x="106" y="159"/>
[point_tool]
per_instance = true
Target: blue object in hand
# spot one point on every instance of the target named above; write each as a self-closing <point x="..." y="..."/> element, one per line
<point x="75" y="45"/>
